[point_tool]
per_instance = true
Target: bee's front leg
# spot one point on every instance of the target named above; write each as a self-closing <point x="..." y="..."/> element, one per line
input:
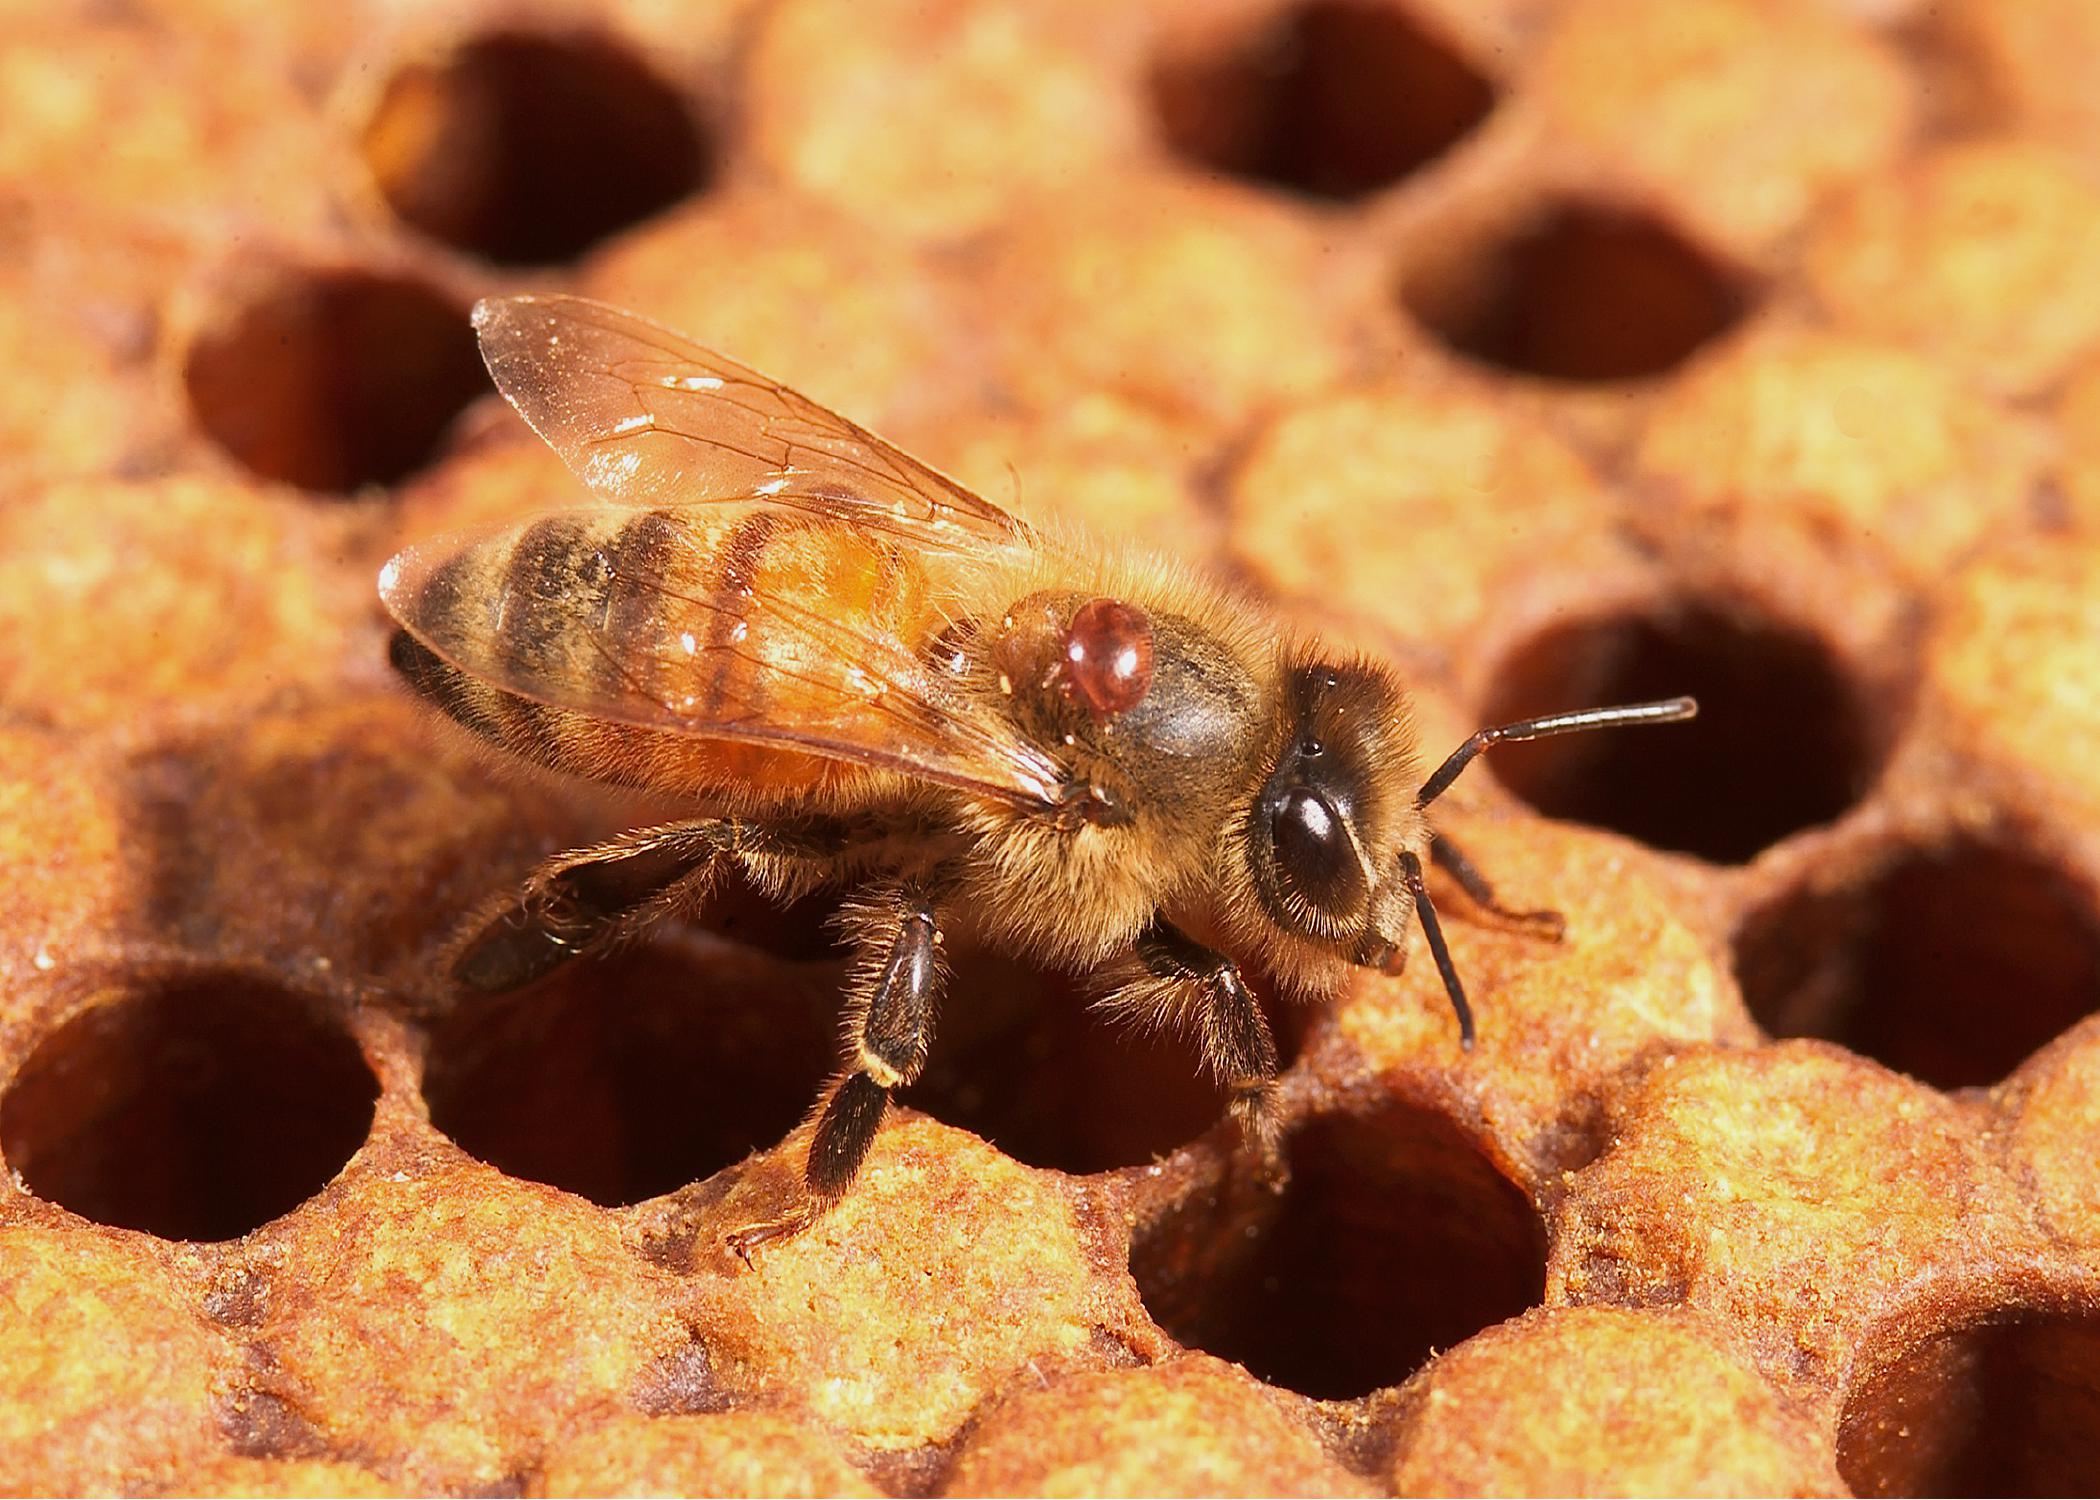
<point x="1452" y="860"/>
<point x="1179" y="976"/>
<point x="897" y="977"/>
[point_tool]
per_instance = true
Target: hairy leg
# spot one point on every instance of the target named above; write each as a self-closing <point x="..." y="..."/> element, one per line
<point x="1178" y="976"/>
<point x="587" y="900"/>
<point x="897" y="977"/>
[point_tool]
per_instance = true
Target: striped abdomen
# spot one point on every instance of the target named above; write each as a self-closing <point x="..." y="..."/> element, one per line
<point x="684" y="651"/>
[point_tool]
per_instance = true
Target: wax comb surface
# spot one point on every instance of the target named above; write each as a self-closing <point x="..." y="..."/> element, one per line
<point x="1562" y="352"/>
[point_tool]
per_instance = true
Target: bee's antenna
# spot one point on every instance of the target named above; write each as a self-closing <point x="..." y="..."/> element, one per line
<point x="1663" y="711"/>
<point x="1432" y="929"/>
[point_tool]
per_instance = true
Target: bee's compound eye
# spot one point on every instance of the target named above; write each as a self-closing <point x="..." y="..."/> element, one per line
<point x="1313" y="851"/>
<point x="1108" y="656"/>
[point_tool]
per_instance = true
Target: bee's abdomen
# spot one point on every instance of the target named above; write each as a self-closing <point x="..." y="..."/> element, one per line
<point x="550" y="737"/>
<point x="465" y="700"/>
<point x="568" y="602"/>
<point x="608" y="644"/>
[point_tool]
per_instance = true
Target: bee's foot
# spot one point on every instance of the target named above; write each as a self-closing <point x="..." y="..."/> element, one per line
<point x="1271" y="1168"/>
<point x="742" y="1242"/>
<point x="1255" y="1109"/>
<point x="1273" y="1171"/>
<point x="1550" y="925"/>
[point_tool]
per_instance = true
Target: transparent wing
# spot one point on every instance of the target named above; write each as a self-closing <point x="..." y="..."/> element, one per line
<point x="645" y="417"/>
<point x="646" y="618"/>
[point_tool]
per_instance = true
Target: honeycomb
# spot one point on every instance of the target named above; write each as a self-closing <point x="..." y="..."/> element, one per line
<point x="1565" y="351"/>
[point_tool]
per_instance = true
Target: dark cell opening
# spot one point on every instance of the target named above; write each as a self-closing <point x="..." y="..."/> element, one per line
<point x="530" y="148"/>
<point x="1952" y="965"/>
<point x="1782" y="741"/>
<point x="805" y="928"/>
<point x="624" y="1078"/>
<point x="2011" y="1409"/>
<point x="1580" y="293"/>
<point x="1020" y="1058"/>
<point x="194" y="1108"/>
<point x="1334" y="99"/>
<point x="332" y="380"/>
<point x="1395" y="1237"/>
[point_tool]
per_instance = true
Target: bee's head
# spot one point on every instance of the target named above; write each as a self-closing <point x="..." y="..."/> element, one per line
<point x="1336" y="835"/>
<point x="1337" y="804"/>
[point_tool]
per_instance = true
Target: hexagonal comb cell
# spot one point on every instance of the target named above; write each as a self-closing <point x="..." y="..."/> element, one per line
<point x="1332" y="98"/>
<point x="2010" y="1407"/>
<point x="191" y="1104"/>
<point x="1393" y="1237"/>
<point x="330" y="378"/>
<point x="1951" y="964"/>
<point x="628" y="1077"/>
<point x="1782" y="742"/>
<point x="1579" y="291"/>
<point x="529" y="147"/>
<point x="1021" y="1059"/>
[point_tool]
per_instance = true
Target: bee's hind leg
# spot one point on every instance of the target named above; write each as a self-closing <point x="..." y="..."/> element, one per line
<point x="586" y="900"/>
<point x="898" y="973"/>
<point x="1179" y="976"/>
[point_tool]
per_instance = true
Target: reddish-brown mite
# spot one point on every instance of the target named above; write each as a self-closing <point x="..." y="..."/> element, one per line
<point x="1108" y="656"/>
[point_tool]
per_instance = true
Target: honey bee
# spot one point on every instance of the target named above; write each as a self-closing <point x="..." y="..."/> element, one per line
<point x="859" y="673"/>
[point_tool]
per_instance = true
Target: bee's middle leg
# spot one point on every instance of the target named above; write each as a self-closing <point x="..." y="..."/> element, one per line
<point x="897" y="977"/>
<point x="1237" y="1043"/>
